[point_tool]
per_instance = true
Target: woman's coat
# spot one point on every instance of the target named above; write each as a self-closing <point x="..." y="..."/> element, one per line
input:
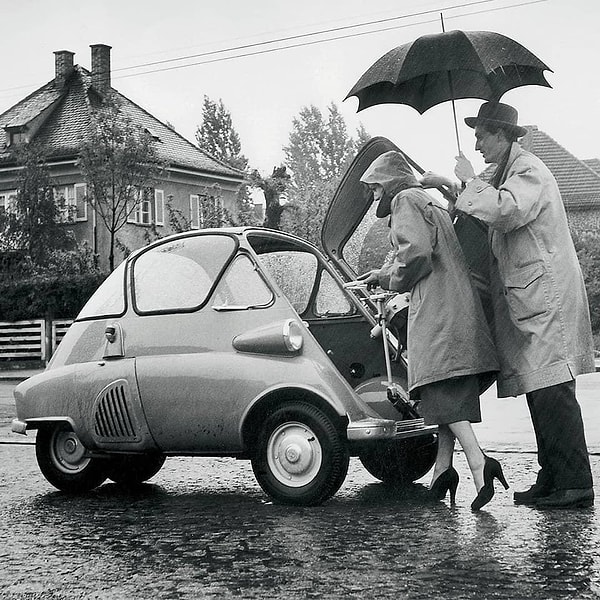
<point x="541" y="315"/>
<point x="448" y="335"/>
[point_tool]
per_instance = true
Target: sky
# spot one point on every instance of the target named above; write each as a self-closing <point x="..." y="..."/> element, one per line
<point x="268" y="87"/>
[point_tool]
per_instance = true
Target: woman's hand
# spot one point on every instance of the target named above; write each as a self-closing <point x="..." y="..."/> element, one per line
<point x="371" y="278"/>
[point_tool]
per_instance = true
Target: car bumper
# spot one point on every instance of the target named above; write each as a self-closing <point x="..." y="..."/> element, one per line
<point x="18" y="426"/>
<point x="384" y="429"/>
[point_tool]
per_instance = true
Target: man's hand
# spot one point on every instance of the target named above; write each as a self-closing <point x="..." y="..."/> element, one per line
<point x="371" y="278"/>
<point x="463" y="169"/>
<point x="429" y="179"/>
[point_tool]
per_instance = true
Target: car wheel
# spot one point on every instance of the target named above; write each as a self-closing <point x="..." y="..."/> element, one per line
<point x="63" y="460"/>
<point x="301" y="458"/>
<point x="400" y="462"/>
<point x="131" y="469"/>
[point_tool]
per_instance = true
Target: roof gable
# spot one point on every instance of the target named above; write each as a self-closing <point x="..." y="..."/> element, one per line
<point x="68" y="118"/>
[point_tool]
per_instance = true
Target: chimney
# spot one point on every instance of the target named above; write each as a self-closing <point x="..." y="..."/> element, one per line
<point x="63" y="65"/>
<point x="101" y="67"/>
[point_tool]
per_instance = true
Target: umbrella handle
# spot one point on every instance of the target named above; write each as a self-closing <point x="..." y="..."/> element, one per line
<point x="443" y="189"/>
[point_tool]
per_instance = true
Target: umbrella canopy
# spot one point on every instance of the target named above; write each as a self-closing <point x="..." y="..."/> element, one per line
<point x="447" y="66"/>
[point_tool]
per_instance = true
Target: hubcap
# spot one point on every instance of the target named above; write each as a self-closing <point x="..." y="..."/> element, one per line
<point x="68" y="452"/>
<point x="294" y="454"/>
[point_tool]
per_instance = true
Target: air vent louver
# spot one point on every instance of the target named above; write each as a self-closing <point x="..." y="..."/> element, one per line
<point x="113" y="417"/>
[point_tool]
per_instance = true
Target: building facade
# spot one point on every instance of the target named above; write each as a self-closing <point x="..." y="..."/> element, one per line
<point x="194" y="185"/>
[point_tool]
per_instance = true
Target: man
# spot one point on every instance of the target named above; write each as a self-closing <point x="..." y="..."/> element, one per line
<point x="541" y="315"/>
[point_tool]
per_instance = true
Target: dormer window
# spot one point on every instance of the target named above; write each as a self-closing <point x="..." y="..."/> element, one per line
<point x="16" y="135"/>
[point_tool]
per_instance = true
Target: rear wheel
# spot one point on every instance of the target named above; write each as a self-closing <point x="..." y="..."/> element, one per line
<point x="132" y="469"/>
<point x="64" y="460"/>
<point x="300" y="458"/>
<point x="400" y="462"/>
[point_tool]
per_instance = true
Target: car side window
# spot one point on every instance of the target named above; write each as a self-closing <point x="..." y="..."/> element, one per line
<point x="109" y="298"/>
<point x="294" y="273"/>
<point x="179" y="275"/>
<point x="242" y="286"/>
<point x="331" y="299"/>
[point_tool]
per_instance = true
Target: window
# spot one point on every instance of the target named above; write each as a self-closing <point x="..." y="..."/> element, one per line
<point x="331" y="299"/>
<point x="242" y="286"/>
<point x="294" y="273"/>
<point x="7" y="202"/>
<point x="109" y="298"/>
<point x="18" y="137"/>
<point x="142" y="213"/>
<point x="206" y="211"/>
<point x="179" y="275"/>
<point x="159" y="207"/>
<point x="72" y="204"/>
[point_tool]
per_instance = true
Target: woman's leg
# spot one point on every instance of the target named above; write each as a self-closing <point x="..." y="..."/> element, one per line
<point x="445" y="451"/>
<point x="466" y="436"/>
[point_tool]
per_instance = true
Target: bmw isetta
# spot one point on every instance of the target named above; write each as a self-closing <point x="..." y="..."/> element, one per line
<point x="241" y="342"/>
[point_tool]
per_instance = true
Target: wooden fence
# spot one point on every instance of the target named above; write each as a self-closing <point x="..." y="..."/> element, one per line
<point x="31" y="340"/>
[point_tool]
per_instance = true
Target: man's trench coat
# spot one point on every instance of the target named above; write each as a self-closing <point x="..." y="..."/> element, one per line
<point x="541" y="316"/>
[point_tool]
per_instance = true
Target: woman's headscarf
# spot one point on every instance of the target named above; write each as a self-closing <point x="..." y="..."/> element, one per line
<point x="394" y="174"/>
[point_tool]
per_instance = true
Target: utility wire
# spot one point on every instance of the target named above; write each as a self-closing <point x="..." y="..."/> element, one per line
<point x="217" y="58"/>
<point x="304" y="35"/>
<point x="311" y="42"/>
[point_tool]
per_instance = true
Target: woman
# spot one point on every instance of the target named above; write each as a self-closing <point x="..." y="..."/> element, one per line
<point x="450" y="349"/>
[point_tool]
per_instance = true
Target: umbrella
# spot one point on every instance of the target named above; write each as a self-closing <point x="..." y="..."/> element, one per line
<point x="447" y="66"/>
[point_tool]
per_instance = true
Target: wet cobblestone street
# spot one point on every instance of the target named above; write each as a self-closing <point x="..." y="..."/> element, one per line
<point x="202" y="528"/>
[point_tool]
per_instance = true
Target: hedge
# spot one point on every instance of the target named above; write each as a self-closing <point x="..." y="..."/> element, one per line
<point x="38" y="296"/>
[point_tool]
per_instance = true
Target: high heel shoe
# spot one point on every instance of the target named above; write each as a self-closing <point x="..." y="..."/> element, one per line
<point x="445" y="482"/>
<point x="491" y="470"/>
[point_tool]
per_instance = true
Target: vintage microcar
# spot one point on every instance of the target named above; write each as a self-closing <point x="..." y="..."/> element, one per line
<point x="240" y="342"/>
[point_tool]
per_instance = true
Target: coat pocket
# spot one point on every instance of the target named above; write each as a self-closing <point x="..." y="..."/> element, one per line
<point x="526" y="293"/>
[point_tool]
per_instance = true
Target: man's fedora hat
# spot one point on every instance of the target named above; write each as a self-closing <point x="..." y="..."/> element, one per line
<point x="501" y="115"/>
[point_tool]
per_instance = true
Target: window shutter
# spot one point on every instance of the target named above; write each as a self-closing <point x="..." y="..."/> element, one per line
<point x="195" y="211"/>
<point x="80" y="202"/>
<point x="159" y="207"/>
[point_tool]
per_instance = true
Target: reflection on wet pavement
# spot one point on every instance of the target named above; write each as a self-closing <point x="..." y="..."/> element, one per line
<point x="204" y="529"/>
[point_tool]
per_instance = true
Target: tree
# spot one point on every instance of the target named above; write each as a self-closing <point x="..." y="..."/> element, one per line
<point x="33" y="224"/>
<point x="318" y="153"/>
<point x="120" y="163"/>
<point x="273" y="188"/>
<point x="218" y="137"/>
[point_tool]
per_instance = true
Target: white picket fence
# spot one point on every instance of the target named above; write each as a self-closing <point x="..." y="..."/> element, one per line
<point x="31" y="340"/>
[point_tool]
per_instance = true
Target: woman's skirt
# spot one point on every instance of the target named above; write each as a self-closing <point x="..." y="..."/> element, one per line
<point x="450" y="400"/>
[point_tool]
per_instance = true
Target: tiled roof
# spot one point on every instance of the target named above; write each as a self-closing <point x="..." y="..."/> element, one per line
<point x="593" y="163"/>
<point x="30" y="107"/>
<point x="65" y="128"/>
<point x="578" y="180"/>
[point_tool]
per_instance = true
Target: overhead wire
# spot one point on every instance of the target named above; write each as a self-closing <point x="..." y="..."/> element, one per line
<point x="261" y="50"/>
<point x="304" y="35"/>
<point x="311" y="42"/>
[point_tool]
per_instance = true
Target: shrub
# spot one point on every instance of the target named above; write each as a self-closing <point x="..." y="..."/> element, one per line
<point x="60" y="288"/>
<point x="588" y="252"/>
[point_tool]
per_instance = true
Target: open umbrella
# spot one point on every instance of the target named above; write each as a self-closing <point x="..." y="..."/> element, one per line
<point x="447" y="66"/>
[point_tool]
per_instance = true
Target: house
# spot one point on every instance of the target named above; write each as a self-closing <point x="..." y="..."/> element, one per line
<point x="578" y="180"/>
<point x="58" y="115"/>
